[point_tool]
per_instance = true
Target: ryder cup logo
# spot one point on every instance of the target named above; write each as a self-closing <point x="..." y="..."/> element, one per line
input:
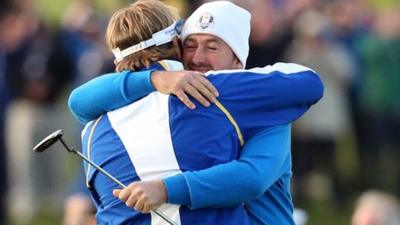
<point x="206" y="21"/>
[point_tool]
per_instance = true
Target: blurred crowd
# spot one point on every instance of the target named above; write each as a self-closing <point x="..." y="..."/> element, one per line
<point x="348" y="143"/>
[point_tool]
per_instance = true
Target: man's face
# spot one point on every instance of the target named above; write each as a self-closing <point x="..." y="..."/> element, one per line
<point x="204" y="52"/>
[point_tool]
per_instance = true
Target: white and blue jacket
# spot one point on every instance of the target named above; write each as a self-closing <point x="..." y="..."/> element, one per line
<point x="157" y="137"/>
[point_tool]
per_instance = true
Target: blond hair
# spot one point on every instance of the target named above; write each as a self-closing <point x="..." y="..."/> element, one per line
<point x="135" y="23"/>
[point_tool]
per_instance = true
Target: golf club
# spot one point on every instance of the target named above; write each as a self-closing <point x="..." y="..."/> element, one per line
<point x="57" y="136"/>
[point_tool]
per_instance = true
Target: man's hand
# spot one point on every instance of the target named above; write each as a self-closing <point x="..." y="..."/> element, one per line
<point x="184" y="83"/>
<point x="144" y="196"/>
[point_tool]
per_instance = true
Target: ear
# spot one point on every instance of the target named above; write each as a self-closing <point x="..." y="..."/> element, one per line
<point x="238" y="64"/>
<point x="177" y="42"/>
<point x="178" y="46"/>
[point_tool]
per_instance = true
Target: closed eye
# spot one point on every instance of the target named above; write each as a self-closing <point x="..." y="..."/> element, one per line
<point x="189" y="47"/>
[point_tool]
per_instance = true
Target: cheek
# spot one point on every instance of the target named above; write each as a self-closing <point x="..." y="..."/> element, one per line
<point x="215" y="60"/>
<point x="224" y="59"/>
<point x="186" y="56"/>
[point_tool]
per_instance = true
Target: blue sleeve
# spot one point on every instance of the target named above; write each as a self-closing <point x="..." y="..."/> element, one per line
<point x="108" y="92"/>
<point x="259" y="166"/>
<point x="259" y="100"/>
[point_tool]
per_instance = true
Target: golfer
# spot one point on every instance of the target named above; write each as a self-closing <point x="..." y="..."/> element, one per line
<point x="262" y="111"/>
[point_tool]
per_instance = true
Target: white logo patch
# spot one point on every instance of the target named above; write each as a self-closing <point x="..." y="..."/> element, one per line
<point x="206" y="21"/>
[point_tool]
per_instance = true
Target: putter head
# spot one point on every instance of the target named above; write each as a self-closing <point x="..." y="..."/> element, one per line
<point x="48" y="141"/>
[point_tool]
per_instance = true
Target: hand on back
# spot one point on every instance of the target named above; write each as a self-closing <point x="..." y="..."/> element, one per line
<point x="143" y="196"/>
<point x="183" y="84"/>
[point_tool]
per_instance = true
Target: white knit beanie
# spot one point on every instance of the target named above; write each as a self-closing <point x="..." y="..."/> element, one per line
<point x="225" y="20"/>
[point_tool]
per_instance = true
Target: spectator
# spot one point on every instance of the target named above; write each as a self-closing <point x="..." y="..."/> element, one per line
<point x="82" y="35"/>
<point x="3" y="105"/>
<point x="381" y="143"/>
<point x="36" y="72"/>
<point x="317" y="133"/>
<point x="376" y="208"/>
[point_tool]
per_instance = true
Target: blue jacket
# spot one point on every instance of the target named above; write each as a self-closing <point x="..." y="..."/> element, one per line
<point x="260" y="176"/>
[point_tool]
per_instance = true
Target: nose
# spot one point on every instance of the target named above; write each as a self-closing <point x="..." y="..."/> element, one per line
<point x="199" y="56"/>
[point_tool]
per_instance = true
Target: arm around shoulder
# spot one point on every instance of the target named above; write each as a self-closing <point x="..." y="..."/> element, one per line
<point x="108" y="92"/>
<point x="237" y="181"/>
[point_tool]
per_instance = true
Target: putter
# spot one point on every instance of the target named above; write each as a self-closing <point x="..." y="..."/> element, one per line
<point x="57" y="136"/>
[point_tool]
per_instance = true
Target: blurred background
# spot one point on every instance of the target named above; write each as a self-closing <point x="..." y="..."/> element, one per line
<point x="343" y="147"/>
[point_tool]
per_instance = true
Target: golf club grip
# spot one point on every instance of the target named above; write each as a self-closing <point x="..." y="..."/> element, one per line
<point x="159" y="213"/>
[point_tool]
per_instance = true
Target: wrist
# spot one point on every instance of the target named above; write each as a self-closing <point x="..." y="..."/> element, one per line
<point x="156" y="80"/>
<point x="177" y="191"/>
<point x="162" y="190"/>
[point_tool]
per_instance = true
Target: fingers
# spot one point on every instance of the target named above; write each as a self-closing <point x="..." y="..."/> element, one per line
<point x="133" y="198"/>
<point x="200" y="77"/>
<point x="185" y="99"/>
<point x="147" y="208"/>
<point x="194" y="92"/>
<point x="125" y="194"/>
<point x="198" y="87"/>
<point x="143" y="196"/>
<point x="184" y="84"/>
<point x="135" y="203"/>
<point x="201" y="89"/>
<point x="116" y="192"/>
<point x="206" y="89"/>
<point x="211" y="89"/>
<point x="142" y="206"/>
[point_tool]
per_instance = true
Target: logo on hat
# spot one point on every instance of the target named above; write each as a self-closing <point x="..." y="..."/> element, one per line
<point x="206" y="21"/>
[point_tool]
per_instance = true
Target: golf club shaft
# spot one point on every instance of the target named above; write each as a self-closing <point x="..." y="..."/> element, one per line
<point x="159" y="213"/>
